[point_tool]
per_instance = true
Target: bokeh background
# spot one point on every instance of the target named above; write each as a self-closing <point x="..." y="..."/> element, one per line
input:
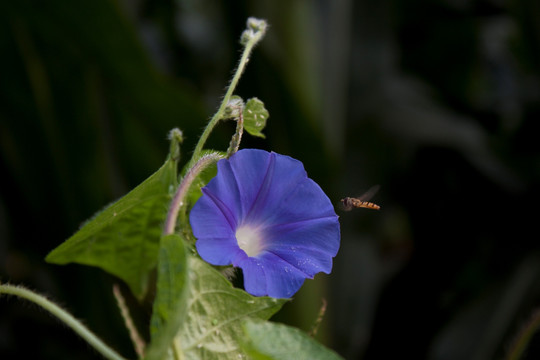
<point x="436" y="101"/>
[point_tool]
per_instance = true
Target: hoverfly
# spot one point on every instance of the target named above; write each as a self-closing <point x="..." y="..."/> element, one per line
<point x="350" y="203"/>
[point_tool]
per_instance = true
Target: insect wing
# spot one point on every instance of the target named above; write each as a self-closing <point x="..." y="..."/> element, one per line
<point x="369" y="194"/>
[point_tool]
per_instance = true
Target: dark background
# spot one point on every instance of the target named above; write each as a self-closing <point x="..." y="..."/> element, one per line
<point x="436" y="101"/>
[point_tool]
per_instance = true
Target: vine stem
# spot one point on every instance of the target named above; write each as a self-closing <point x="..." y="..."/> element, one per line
<point x="237" y="137"/>
<point x="319" y="319"/>
<point x="181" y="192"/>
<point x="254" y="33"/>
<point x="137" y="340"/>
<point x="63" y="316"/>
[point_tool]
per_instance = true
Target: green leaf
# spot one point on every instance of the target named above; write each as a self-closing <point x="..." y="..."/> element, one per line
<point x="123" y="239"/>
<point x="216" y="310"/>
<point x="272" y="341"/>
<point x="170" y="304"/>
<point x="255" y="116"/>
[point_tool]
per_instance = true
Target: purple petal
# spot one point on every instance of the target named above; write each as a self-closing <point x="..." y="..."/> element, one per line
<point x="254" y="276"/>
<point x="219" y="251"/>
<point x="320" y="234"/>
<point x="282" y="177"/>
<point x="308" y="261"/>
<point x="307" y="201"/>
<point x="308" y="246"/>
<point x="210" y="218"/>
<point x="282" y="279"/>
<point x="249" y="169"/>
<point x="225" y="187"/>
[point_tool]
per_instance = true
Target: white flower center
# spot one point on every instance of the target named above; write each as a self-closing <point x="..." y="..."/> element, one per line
<point x="250" y="240"/>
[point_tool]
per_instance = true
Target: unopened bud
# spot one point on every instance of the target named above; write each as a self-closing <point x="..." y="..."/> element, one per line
<point x="234" y="107"/>
<point x="255" y="28"/>
<point x="257" y="25"/>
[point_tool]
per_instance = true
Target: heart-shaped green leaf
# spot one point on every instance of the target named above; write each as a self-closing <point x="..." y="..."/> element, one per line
<point x="123" y="239"/>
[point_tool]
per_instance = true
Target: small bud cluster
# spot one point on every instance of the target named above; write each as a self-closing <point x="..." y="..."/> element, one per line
<point x="176" y="134"/>
<point x="255" y="29"/>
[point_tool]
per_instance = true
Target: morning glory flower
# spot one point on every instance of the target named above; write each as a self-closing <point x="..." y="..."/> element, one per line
<point x="262" y="213"/>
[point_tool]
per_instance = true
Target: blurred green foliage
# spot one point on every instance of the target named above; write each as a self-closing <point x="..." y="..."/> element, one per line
<point x="436" y="101"/>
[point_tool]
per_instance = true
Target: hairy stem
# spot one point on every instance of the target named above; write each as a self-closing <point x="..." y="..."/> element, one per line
<point x="237" y="137"/>
<point x="250" y="38"/>
<point x="181" y="192"/>
<point x="63" y="316"/>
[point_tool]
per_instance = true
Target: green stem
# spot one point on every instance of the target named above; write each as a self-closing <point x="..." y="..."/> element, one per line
<point x="524" y="337"/>
<point x="250" y="38"/>
<point x="63" y="316"/>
